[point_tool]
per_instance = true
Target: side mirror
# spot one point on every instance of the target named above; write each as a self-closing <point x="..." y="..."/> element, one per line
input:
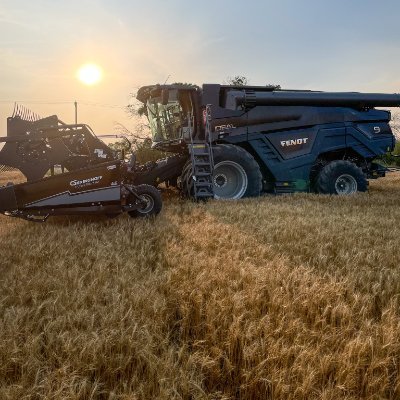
<point x="164" y="97"/>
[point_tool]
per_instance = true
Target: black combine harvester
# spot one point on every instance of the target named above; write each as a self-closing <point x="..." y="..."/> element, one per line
<point x="228" y="142"/>
<point x="240" y="141"/>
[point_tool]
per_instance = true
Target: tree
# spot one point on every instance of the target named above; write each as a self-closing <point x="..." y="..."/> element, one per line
<point x="241" y="80"/>
<point x="237" y="80"/>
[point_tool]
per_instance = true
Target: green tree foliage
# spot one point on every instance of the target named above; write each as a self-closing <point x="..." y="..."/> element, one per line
<point x="145" y="153"/>
<point x="390" y="159"/>
<point x="237" y="80"/>
<point x="241" y="80"/>
<point x="142" y="150"/>
<point x="140" y="146"/>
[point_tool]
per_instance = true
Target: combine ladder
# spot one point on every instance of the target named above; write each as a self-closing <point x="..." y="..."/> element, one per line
<point x="202" y="161"/>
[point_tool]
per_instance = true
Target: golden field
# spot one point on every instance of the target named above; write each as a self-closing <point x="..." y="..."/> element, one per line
<point x="291" y="297"/>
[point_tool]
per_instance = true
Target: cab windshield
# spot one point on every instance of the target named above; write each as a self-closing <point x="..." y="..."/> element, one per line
<point x="166" y="120"/>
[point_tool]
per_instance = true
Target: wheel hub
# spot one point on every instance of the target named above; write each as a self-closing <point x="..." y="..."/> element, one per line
<point x="148" y="204"/>
<point x="220" y="180"/>
<point x="345" y="184"/>
<point x="230" y="180"/>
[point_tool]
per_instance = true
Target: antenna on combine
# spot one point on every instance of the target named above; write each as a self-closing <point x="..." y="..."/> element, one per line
<point x="76" y="112"/>
<point x="167" y="79"/>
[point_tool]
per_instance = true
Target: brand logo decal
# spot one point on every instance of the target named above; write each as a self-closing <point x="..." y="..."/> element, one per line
<point x="220" y="128"/>
<point x="85" y="182"/>
<point x="293" y="142"/>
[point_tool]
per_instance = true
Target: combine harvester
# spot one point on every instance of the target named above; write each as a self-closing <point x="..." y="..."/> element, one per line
<point x="228" y="142"/>
<point x="245" y="140"/>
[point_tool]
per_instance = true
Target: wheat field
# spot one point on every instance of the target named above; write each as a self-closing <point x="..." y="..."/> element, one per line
<point x="290" y="297"/>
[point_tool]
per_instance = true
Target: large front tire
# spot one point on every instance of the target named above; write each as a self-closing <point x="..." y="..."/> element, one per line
<point x="236" y="174"/>
<point x="341" y="177"/>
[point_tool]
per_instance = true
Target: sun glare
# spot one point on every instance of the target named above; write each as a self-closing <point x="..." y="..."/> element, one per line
<point x="89" y="74"/>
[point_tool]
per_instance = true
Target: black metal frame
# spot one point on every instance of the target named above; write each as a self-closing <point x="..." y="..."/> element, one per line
<point x="94" y="179"/>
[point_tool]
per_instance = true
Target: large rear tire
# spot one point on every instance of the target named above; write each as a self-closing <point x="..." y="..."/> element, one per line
<point x="152" y="199"/>
<point x="342" y="178"/>
<point x="236" y="174"/>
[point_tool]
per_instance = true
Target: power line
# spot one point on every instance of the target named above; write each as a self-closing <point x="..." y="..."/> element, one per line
<point x="102" y="105"/>
<point x="63" y="103"/>
<point x="35" y="102"/>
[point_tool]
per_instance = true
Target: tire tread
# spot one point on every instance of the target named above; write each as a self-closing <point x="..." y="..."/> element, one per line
<point x="324" y="180"/>
<point x="148" y="189"/>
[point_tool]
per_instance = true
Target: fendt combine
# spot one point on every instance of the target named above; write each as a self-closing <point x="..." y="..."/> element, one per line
<point x="228" y="142"/>
<point x="239" y="141"/>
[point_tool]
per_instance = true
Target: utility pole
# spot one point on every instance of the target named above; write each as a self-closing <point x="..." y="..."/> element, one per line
<point x="76" y="112"/>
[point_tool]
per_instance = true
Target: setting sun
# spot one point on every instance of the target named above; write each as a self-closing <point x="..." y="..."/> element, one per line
<point x="89" y="74"/>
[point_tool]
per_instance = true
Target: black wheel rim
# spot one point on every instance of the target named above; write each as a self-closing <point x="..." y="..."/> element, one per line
<point x="148" y="207"/>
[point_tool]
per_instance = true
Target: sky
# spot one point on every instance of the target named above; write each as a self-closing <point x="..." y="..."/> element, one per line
<point x="300" y="44"/>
